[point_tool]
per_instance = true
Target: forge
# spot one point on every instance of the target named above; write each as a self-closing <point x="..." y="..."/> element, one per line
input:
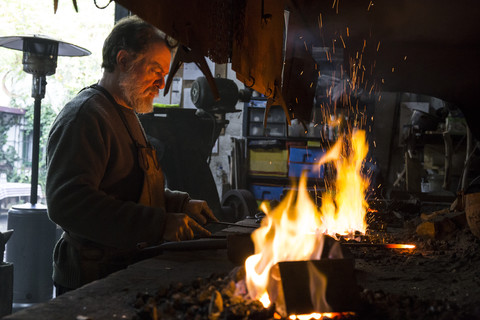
<point x="438" y="278"/>
<point x="341" y="248"/>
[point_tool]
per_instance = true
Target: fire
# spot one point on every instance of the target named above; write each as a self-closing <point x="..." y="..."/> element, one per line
<point x="265" y="300"/>
<point x="343" y="211"/>
<point x="294" y="230"/>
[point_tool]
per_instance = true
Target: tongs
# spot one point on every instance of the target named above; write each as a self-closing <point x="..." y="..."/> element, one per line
<point x="230" y="224"/>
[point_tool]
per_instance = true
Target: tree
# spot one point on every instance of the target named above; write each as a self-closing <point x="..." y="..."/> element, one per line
<point x="8" y="154"/>
<point x="87" y="28"/>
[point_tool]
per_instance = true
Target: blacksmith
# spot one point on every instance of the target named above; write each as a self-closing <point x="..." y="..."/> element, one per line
<point x="105" y="187"/>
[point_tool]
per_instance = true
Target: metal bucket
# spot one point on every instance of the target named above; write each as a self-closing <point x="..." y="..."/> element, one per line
<point x="472" y="211"/>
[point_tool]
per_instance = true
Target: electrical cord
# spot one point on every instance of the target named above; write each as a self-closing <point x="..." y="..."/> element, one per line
<point x="100" y="7"/>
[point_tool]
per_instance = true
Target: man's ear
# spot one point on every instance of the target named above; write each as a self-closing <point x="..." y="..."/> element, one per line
<point x="123" y="58"/>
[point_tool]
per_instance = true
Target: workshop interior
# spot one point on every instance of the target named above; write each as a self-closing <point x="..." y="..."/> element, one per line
<point x="336" y="141"/>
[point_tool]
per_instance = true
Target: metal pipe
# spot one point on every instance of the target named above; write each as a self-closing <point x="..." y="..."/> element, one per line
<point x="38" y="92"/>
<point x="35" y="152"/>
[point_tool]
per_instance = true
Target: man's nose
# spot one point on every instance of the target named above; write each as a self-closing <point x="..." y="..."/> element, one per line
<point x="160" y="83"/>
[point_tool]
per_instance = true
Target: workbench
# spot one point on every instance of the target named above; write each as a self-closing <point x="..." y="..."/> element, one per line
<point x="113" y="297"/>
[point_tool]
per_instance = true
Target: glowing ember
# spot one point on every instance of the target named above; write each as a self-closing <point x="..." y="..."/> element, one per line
<point x="400" y="246"/>
<point x="294" y="230"/>
<point x="318" y="316"/>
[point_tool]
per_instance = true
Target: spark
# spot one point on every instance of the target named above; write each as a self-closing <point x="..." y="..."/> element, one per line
<point x="320" y="23"/>
<point x="341" y="38"/>
<point x="336" y="7"/>
<point x="378" y="46"/>
<point x="348" y="32"/>
<point x="370" y="5"/>
<point x="155" y="313"/>
<point x="328" y="59"/>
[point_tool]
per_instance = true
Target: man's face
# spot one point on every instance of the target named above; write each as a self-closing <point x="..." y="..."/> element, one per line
<point x="145" y="77"/>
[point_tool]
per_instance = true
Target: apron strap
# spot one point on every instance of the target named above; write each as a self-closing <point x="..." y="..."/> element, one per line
<point x="122" y="116"/>
<point x="154" y="181"/>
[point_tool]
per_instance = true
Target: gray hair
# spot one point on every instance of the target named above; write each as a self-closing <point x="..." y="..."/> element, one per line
<point x="131" y="34"/>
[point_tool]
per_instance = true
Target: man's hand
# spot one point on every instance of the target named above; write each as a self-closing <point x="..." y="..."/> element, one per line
<point x="200" y="211"/>
<point x="179" y="226"/>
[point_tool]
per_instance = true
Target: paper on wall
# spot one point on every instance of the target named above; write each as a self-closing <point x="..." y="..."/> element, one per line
<point x="192" y="72"/>
<point x="177" y="84"/>
<point x="187" y="100"/>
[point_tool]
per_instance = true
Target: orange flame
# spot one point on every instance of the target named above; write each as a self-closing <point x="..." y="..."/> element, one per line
<point x="343" y="211"/>
<point x="294" y="229"/>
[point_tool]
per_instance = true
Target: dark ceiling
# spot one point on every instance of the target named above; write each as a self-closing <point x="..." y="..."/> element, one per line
<point x="429" y="47"/>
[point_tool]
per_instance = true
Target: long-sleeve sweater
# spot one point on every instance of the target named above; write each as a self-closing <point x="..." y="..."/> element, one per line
<point x="94" y="182"/>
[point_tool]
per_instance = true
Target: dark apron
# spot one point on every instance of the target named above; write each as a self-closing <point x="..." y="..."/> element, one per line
<point x="97" y="261"/>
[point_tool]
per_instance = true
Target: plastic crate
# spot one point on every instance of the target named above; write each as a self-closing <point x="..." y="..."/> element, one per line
<point x="266" y="192"/>
<point x="268" y="162"/>
<point x="305" y="155"/>
<point x="311" y="170"/>
<point x="305" y="159"/>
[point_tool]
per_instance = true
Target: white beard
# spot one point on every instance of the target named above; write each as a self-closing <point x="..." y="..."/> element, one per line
<point x="132" y="94"/>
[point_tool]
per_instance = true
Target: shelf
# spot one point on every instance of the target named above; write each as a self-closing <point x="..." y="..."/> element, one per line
<point x="269" y="122"/>
<point x="284" y="138"/>
<point x="287" y="181"/>
<point x="264" y="186"/>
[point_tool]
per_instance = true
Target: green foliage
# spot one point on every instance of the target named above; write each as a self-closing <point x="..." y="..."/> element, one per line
<point x="8" y="155"/>
<point x="88" y="28"/>
<point x="46" y="119"/>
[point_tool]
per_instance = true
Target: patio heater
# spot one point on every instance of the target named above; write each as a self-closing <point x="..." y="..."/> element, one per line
<point x="31" y="245"/>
